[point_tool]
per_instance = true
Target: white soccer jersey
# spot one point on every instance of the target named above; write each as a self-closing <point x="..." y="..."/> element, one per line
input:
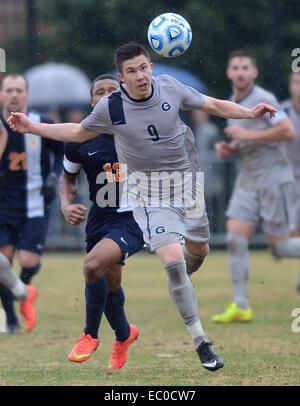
<point x="148" y="132"/>
<point x="263" y="163"/>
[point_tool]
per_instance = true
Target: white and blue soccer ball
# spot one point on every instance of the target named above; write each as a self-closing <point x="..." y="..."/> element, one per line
<point x="169" y="35"/>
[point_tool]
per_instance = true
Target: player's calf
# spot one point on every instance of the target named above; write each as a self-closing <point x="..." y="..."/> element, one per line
<point x="27" y="273"/>
<point x="237" y="246"/>
<point x="10" y="279"/>
<point x="183" y="295"/>
<point x="195" y="259"/>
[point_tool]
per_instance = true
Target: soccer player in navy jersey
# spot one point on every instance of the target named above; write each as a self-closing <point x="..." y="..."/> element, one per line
<point x="28" y="186"/>
<point x="8" y="278"/>
<point x="150" y="138"/>
<point x="111" y="234"/>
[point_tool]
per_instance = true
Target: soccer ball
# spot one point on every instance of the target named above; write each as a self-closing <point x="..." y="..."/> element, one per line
<point x="169" y="35"/>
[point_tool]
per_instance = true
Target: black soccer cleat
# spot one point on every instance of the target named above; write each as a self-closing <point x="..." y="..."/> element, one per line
<point x="208" y="357"/>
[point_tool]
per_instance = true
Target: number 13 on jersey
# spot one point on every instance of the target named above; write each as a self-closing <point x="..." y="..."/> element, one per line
<point x="118" y="176"/>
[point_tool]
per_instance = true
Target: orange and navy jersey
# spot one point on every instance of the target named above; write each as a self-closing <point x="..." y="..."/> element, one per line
<point x="97" y="157"/>
<point x="26" y="162"/>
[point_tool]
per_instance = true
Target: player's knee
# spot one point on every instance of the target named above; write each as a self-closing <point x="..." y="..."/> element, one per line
<point x="29" y="262"/>
<point x="236" y="243"/>
<point x="93" y="269"/>
<point x="200" y="250"/>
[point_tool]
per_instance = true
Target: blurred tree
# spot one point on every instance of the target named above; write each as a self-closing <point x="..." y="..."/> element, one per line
<point x="86" y="33"/>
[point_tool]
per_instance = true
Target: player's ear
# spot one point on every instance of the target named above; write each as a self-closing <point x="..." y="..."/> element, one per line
<point x="255" y="73"/>
<point x="120" y="76"/>
<point x="151" y="65"/>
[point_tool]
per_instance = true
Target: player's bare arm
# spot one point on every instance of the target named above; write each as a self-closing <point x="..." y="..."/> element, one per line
<point x="68" y="189"/>
<point x="282" y="131"/>
<point x="67" y="132"/>
<point x="227" y="109"/>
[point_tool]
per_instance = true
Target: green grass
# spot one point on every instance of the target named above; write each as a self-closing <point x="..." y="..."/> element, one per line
<point x="263" y="352"/>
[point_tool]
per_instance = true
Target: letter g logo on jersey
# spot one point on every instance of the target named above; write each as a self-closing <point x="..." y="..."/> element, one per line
<point x="165" y="106"/>
<point x="160" y="230"/>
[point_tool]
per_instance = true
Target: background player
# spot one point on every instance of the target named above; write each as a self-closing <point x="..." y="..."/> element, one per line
<point x="149" y="137"/>
<point x="29" y="187"/>
<point x="7" y="276"/>
<point x="264" y="190"/>
<point x="111" y="235"/>
<point x="292" y="109"/>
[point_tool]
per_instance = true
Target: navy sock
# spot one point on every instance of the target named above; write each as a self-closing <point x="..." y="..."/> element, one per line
<point x="27" y="273"/>
<point x="115" y="314"/>
<point x="8" y="299"/>
<point x="95" y="296"/>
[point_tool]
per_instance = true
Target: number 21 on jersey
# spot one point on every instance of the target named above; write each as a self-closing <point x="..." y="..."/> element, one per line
<point x="18" y="161"/>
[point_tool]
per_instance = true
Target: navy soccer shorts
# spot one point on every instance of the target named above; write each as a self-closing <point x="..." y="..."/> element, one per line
<point x="27" y="234"/>
<point x="119" y="227"/>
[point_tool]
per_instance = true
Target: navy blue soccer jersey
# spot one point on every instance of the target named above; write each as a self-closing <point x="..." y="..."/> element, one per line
<point x="26" y="162"/>
<point x="98" y="158"/>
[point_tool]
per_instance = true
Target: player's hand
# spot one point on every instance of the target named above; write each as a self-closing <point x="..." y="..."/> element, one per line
<point x="224" y="149"/>
<point x="262" y="108"/>
<point x="74" y="213"/>
<point x="19" y="122"/>
<point x="237" y="133"/>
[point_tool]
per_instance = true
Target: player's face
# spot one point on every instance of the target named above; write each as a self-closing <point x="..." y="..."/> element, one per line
<point x="295" y="86"/>
<point x="242" y="73"/>
<point x="103" y="87"/>
<point x="14" y="94"/>
<point x="137" y="74"/>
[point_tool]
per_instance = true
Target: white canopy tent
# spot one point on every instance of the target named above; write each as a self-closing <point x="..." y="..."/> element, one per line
<point x="56" y="84"/>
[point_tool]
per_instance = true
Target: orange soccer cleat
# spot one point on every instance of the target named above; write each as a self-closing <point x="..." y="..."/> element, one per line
<point x="119" y="352"/>
<point x="83" y="348"/>
<point x="27" y="308"/>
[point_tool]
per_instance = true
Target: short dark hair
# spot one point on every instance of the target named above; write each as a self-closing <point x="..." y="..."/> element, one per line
<point x="102" y="77"/>
<point x="129" y="51"/>
<point x="241" y="53"/>
<point x="14" y="75"/>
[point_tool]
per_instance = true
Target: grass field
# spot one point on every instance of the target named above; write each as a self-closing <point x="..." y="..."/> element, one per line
<point x="264" y="352"/>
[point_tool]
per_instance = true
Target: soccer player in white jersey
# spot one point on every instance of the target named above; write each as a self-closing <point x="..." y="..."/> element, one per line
<point x="292" y="109"/>
<point x="112" y="235"/>
<point x="264" y="191"/>
<point x="150" y="138"/>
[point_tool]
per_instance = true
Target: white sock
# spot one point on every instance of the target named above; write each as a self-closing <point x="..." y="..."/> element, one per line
<point x="10" y="280"/>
